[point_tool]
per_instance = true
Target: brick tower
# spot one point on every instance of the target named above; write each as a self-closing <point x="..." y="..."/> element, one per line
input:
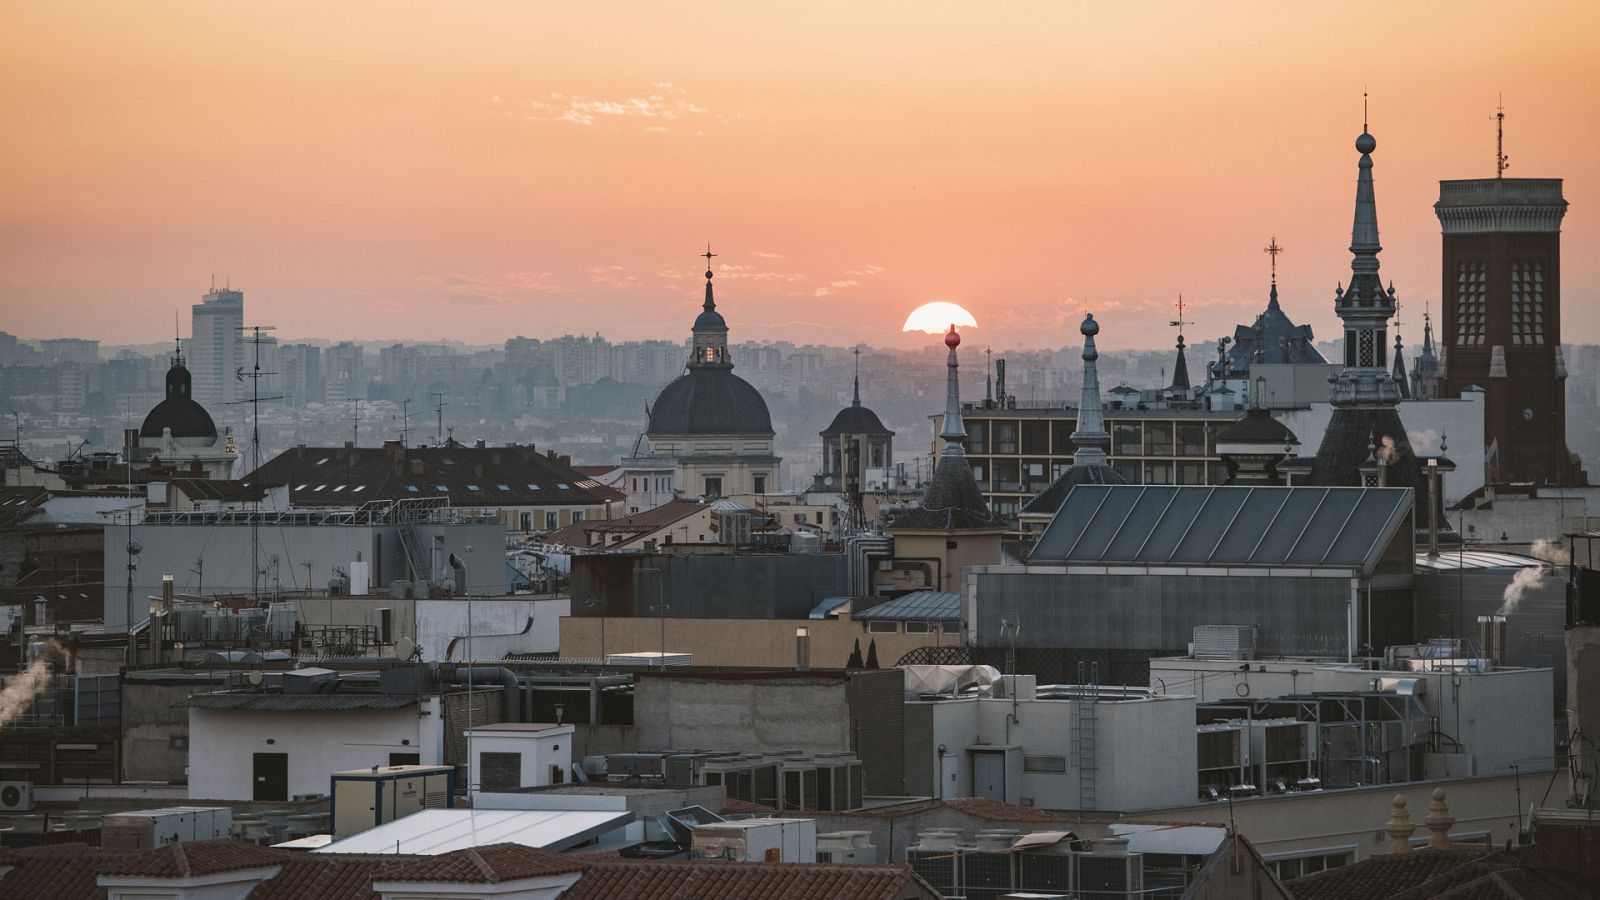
<point x="1502" y="320"/>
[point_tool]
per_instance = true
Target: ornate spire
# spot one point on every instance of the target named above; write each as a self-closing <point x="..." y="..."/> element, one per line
<point x="856" y="399"/>
<point x="1399" y="371"/>
<point x="954" y="434"/>
<point x="1272" y="250"/>
<point x="1090" y="441"/>
<point x="1180" y="369"/>
<point x="710" y="305"/>
<point x="1364" y="243"/>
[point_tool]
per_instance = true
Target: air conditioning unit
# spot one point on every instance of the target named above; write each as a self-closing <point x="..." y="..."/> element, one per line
<point x="16" y="796"/>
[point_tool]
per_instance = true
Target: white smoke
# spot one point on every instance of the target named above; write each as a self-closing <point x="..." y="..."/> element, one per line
<point x="1386" y="449"/>
<point x="1549" y="552"/>
<point x="20" y="690"/>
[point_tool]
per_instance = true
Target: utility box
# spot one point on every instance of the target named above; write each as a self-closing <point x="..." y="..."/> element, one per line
<point x="366" y="798"/>
<point x="150" y="829"/>
<point x="751" y="840"/>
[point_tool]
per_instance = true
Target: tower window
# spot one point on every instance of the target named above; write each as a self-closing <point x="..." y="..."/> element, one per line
<point x="1471" y="287"/>
<point x="1527" y="304"/>
<point x="1366" y="357"/>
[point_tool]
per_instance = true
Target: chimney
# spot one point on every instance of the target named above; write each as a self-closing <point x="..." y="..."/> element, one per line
<point x="1492" y="635"/>
<point x="772" y="855"/>
<point x="196" y="469"/>
<point x="1399" y="826"/>
<point x="802" y="648"/>
<point x="480" y="444"/>
<point x="299" y="450"/>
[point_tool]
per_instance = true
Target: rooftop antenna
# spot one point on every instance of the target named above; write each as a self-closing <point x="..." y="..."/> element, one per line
<point x="255" y="375"/>
<point x="438" y="411"/>
<point x="405" y="421"/>
<point x="355" y="421"/>
<point x="1363" y="108"/>
<point x="1501" y="161"/>
<point x="988" y="395"/>
<point x="856" y="400"/>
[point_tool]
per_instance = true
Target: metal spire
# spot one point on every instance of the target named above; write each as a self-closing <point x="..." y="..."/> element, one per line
<point x="856" y="400"/>
<point x="1364" y="233"/>
<point x="1180" y="369"/>
<point x="1501" y="161"/>
<point x="1090" y="440"/>
<point x="710" y="304"/>
<point x="954" y="433"/>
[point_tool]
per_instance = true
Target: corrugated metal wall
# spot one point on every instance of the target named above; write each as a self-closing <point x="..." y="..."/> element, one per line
<point x="877" y="728"/>
<point x="1297" y="616"/>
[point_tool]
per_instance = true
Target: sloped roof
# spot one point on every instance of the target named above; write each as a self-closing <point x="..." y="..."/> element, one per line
<point x="250" y="702"/>
<point x="951" y="503"/>
<point x="718" y="879"/>
<point x="1047" y="501"/>
<point x="468" y="476"/>
<point x="1218" y="525"/>
<point x="637" y="525"/>
<point x="916" y="606"/>
<point x="856" y="419"/>
<point x="1458" y="873"/>
<point x="193" y="859"/>
<point x="493" y="864"/>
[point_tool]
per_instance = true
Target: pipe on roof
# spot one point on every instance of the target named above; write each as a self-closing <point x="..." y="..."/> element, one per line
<point x="512" y="712"/>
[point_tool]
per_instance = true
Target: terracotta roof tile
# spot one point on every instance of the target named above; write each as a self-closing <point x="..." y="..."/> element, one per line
<point x="682" y="880"/>
<point x="994" y="810"/>
<point x="1389" y="876"/>
<point x="194" y="858"/>
<point x="493" y="864"/>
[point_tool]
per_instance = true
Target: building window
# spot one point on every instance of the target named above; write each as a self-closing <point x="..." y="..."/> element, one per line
<point x="1005" y="437"/>
<point x="1366" y="353"/>
<point x="919" y="628"/>
<point x="1044" y="765"/>
<point x="526" y="521"/>
<point x="879" y="626"/>
<point x="1158" y="472"/>
<point x="760" y="484"/>
<point x="978" y="436"/>
<point x="1129" y="469"/>
<point x="1191" y="473"/>
<point x="1471" y="291"/>
<point x="577" y="516"/>
<point x="550" y="521"/>
<point x="1035" y="437"/>
<point x="1297" y="866"/>
<point x="1527" y="304"/>
<point x="713" y="487"/>
<point x="1127" y="439"/>
<point x="1191" y="439"/>
<point x="1158" y="438"/>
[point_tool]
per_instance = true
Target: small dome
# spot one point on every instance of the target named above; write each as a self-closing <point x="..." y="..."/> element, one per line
<point x="1090" y="327"/>
<point x="952" y="339"/>
<point x="710" y="320"/>
<point x="178" y="411"/>
<point x="709" y="400"/>
<point x="856" y="420"/>
<point x="1257" y="427"/>
<point x="1366" y="143"/>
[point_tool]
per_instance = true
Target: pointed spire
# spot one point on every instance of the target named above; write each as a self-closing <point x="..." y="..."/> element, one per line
<point x="1180" y="370"/>
<point x="1399" y="371"/>
<point x="710" y="304"/>
<point x="954" y="434"/>
<point x="1090" y="441"/>
<point x="1364" y="233"/>
<point x="856" y="400"/>
<point x="1272" y="250"/>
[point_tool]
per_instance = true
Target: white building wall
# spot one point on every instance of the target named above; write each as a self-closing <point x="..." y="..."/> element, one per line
<point x="539" y="751"/>
<point x="222" y="744"/>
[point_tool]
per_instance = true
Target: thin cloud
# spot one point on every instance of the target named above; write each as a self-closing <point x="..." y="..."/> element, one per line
<point x="866" y="270"/>
<point x="613" y="276"/>
<point x="663" y="103"/>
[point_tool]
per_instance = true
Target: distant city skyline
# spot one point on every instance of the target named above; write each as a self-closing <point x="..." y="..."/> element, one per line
<point x="475" y="174"/>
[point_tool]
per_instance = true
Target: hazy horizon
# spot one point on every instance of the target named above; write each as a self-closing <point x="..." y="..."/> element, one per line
<point x="473" y="173"/>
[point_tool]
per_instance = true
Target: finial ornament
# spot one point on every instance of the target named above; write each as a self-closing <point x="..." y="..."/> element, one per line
<point x="1272" y="249"/>
<point x="1177" y="323"/>
<point x="1501" y="161"/>
<point x="708" y="256"/>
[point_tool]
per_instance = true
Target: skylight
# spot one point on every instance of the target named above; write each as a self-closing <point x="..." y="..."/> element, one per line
<point x="504" y="487"/>
<point x="337" y="488"/>
<point x="323" y="460"/>
<point x="412" y="488"/>
<point x="472" y="487"/>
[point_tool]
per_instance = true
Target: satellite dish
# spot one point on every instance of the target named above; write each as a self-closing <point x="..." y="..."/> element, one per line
<point x="135" y="547"/>
<point x="404" y="647"/>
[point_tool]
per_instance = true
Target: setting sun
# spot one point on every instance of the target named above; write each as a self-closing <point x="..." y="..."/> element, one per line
<point x="937" y="317"/>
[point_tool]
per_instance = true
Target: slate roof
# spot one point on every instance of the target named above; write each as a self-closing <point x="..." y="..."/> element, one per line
<point x="637" y="525"/>
<point x="916" y="606"/>
<point x="178" y="411"/>
<point x="468" y="476"/>
<point x="1218" y="525"/>
<point x="1047" y="501"/>
<point x="683" y="880"/>
<point x="855" y="419"/>
<point x="18" y="504"/>
<point x="251" y="702"/>
<point x="951" y="503"/>
<point x="709" y="400"/>
<point x="1257" y="426"/>
<point x="1277" y="339"/>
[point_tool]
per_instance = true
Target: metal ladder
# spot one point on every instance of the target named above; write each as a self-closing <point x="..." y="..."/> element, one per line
<point x="1083" y="737"/>
<point x="413" y="549"/>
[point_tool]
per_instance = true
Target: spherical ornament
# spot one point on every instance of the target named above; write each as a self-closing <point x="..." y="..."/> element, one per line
<point x="1366" y="143"/>
<point x="1090" y="327"/>
<point x="708" y="274"/>
<point x="951" y="339"/>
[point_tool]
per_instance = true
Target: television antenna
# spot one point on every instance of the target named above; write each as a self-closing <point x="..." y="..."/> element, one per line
<point x="438" y="411"/>
<point x="1502" y="162"/>
<point x="255" y="375"/>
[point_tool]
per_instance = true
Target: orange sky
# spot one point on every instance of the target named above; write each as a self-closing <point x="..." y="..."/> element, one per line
<point x="480" y="170"/>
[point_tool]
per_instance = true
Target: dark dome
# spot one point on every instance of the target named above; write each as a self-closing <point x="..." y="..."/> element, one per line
<point x="709" y="400"/>
<point x="856" y="420"/>
<point x="1257" y="427"/>
<point x="710" y="320"/>
<point x="178" y="411"/>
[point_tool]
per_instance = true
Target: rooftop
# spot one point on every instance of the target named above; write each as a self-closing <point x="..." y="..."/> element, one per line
<point x="1223" y="526"/>
<point x="915" y="606"/>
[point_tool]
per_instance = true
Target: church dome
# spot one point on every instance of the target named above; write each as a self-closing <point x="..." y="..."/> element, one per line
<point x="856" y="420"/>
<point x="710" y="320"/>
<point x="709" y="400"/>
<point x="179" y="411"/>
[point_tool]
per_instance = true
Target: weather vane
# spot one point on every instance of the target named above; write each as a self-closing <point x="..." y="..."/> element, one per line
<point x="1180" y="321"/>
<point x="1272" y="249"/>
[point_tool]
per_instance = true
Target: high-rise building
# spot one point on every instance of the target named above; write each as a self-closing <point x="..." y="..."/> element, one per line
<point x="216" y="351"/>
<point x="301" y="365"/>
<point x="1502" y="320"/>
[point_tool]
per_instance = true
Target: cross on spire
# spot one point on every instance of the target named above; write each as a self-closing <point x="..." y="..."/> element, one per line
<point x="856" y="400"/>
<point x="708" y="255"/>
<point x="1272" y="249"/>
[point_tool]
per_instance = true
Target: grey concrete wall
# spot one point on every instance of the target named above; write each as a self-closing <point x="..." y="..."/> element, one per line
<point x="1297" y="616"/>
<point x="1449" y="604"/>
<point x="809" y="714"/>
<point x="149" y="726"/>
